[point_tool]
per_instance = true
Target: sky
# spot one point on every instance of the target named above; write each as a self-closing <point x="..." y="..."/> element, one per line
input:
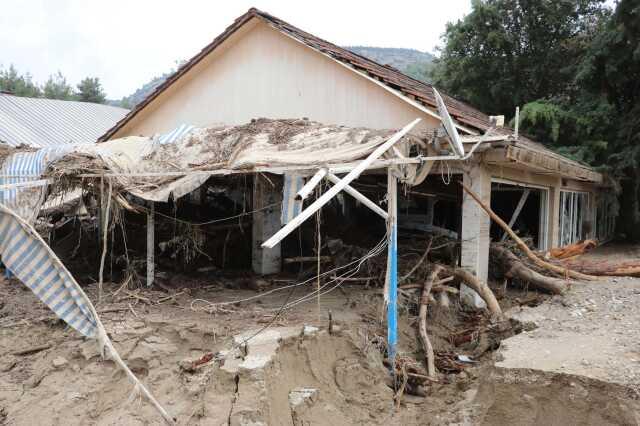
<point x="127" y="42"/>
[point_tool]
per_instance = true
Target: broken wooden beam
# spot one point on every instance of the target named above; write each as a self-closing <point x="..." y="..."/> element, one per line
<point x="515" y="268"/>
<point x="333" y="191"/>
<point x="422" y="323"/>
<point x="521" y="244"/>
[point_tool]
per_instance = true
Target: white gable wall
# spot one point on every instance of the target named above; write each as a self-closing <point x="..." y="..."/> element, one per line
<point x="259" y="72"/>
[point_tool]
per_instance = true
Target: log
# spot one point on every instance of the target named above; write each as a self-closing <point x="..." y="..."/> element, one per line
<point x="478" y="286"/>
<point x="31" y="350"/>
<point x="422" y="323"/>
<point x="514" y="268"/>
<point x="607" y="268"/>
<point x="526" y="250"/>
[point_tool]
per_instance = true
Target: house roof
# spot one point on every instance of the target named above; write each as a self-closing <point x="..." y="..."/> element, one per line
<point x="409" y="88"/>
<point x="39" y="123"/>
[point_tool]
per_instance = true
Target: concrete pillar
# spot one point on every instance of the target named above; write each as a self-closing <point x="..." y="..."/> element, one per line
<point x="266" y="222"/>
<point x="475" y="231"/>
<point x="554" y="214"/>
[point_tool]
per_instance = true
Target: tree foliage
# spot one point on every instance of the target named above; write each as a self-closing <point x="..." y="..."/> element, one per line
<point x="509" y="52"/>
<point x="20" y="85"/>
<point x="90" y="90"/>
<point x="56" y="87"/>
<point x="573" y="66"/>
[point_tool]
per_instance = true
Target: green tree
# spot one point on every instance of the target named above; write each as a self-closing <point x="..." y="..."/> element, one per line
<point x="575" y="68"/>
<point x="57" y="87"/>
<point x="90" y="90"/>
<point x="506" y="53"/>
<point x="610" y="76"/>
<point x="18" y="84"/>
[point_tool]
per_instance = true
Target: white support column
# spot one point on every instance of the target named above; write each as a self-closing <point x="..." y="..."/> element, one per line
<point x="475" y="231"/>
<point x="151" y="245"/>
<point x="266" y="222"/>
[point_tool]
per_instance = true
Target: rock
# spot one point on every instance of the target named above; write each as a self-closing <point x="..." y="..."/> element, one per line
<point x="60" y="362"/>
<point x="309" y="330"/>
<point x="300" y="399"/>
<point x="300" y="396"/>
<point x="89" y="349"/>
<point x="137" y="324"/>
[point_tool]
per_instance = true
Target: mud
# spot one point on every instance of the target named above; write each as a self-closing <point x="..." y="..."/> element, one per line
<point x="293" y="372"/>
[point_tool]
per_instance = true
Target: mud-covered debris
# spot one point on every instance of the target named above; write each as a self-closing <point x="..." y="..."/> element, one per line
<point x="300" y="399"/>
<point x="60" y="362"/>
<point x="309" y="330"/>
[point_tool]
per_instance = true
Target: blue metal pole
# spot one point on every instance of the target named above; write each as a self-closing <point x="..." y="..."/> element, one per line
<point x="392" y="307"/>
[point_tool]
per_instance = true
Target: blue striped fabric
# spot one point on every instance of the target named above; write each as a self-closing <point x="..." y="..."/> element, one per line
<point x="175" y="134"/>
<point x="291" y="207"/>
<point x="31" y="260"/>
<point x="24" y="167"/>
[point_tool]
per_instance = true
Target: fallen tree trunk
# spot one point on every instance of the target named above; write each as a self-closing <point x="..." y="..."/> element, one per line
<point x="606" y="268"/>
<point x="527" y="251"/>
<point x="422" y="323"/>
<point x="478" y="286"/>
<point x="514" y="268"/>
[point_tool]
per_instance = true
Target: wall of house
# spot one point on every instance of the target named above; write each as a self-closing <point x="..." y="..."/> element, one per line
<point x="259" y="72"/>
<point x="555" y="184"/>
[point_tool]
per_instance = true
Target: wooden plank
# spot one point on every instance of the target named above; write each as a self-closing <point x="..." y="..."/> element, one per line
<point x="310" y="169"/>
<point x="516" y="212"/>
<point x="358" y="196"/>
<point x="311" y="184"/>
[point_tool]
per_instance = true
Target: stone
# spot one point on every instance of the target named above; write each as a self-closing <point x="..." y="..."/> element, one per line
<point x="300" y="399"/>
<point x="300" y="396"/>
<point x="309" y="330"/>
<point x="60" y="362"/>
<point x="137" y="324"/>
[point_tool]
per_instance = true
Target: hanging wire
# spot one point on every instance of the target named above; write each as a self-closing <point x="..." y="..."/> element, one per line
<point x="373" y="252"/>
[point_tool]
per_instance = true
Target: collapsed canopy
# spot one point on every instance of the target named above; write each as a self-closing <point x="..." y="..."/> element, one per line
<point x="158" y="168"/>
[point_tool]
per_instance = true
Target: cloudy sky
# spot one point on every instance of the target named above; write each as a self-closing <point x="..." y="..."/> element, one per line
<point x="127" y="42"/>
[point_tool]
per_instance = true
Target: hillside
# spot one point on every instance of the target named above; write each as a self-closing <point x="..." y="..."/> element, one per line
<point x="412" y="62"/>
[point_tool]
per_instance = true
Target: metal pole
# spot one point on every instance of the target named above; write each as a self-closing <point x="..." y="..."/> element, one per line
<point x="392" y="307"/>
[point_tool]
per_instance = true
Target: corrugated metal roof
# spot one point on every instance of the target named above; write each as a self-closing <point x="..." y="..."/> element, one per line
<point x="41" y="123"/>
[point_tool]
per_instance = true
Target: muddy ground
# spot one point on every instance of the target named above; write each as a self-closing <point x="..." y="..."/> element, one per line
<point x="579" y="366"/>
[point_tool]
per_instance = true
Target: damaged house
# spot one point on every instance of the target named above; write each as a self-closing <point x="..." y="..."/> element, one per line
<point x="261" y="66"/>
<point x="275" y="151"/>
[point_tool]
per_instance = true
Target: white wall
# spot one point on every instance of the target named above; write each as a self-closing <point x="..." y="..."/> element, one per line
<point x="259" y="72"/>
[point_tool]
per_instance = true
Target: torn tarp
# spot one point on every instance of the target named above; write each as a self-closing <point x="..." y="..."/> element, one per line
<point x="23" y="168"/>
<point x="160" y="171"/>
<point x="31" y="260"/>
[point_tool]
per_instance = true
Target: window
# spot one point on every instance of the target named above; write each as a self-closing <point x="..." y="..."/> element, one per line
<point x="575" y="218"/>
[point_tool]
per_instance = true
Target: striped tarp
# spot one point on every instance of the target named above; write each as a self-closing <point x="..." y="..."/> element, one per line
<point x="32" y="261"/>
<point x="291" y="207"/>
<point x="24" y="167"/>
<point x="177" y="133"/>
